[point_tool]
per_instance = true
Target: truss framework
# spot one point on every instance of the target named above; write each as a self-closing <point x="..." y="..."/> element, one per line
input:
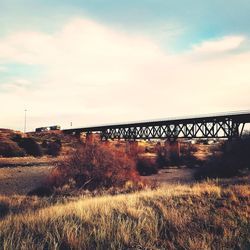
<point x="227" y="129"/>
<point x="220" y="126"/>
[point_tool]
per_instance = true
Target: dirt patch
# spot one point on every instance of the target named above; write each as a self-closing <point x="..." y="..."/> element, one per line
<point x="173" y="175"/>
<point x="28" y="161"/>
<point x="20" y="180"/>
<point x="23" y="174"/>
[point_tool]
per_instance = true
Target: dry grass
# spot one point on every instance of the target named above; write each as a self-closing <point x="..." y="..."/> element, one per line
<point x="202" y="216"/>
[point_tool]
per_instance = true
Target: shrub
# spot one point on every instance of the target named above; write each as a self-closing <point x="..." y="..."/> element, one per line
<point x="41" y="191"/>
<point x="16" y="138"/>
<point x="175" y="159"/>
<point x="9" y="148"/>
<point x="4" y="209"/>
<point x="133" y="149"/>
<point x="146" y="166"/>
<point x="95" y="165"/>
<point x="190" y="161"/>
<point x="186" y="157"/>
<point x="54" y="148"/>
<point x="234" y="157"/>
<point x="45" y="144"/>
<point x="30" y="146"/>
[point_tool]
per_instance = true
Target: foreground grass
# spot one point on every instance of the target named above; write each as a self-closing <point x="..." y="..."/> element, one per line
<point x="204" y="216"/>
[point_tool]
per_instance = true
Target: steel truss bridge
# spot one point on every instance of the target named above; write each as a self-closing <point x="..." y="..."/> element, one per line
<point x="226" y="125"/>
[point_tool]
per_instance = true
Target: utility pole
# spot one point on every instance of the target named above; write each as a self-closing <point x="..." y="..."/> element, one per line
<point x="25" y="111"/>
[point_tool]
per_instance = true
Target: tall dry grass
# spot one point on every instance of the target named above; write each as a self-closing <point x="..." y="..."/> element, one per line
<point x="204" y="216"/>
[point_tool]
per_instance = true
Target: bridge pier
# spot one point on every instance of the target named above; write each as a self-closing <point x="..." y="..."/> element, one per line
<point x="172" y="149"/>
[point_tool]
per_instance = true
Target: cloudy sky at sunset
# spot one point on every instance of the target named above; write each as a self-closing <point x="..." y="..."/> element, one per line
<point x="105" y="61"/>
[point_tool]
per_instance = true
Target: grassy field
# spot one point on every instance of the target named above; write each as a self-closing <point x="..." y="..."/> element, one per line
<point x="208" y="215"/>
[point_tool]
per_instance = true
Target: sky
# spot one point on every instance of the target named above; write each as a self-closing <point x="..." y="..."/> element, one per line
<point x="101" y="61"/>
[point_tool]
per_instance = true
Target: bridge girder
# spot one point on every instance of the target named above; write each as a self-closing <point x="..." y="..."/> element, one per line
<point x="221" y="129"/>
<point x="216" y="126"/>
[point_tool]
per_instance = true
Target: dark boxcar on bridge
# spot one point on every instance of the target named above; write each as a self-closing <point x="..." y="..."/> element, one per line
<point x="56" y="127"/>
<point x="42" y="129"/>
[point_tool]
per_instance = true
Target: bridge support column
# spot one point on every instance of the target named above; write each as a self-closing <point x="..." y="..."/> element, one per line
<point x="172" y="149"/>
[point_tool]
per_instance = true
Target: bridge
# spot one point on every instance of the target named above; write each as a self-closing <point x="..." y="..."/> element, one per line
<point x="223" y="125"/>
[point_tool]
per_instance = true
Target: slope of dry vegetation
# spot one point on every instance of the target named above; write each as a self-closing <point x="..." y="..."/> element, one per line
<point x="204" y="216"/>
<point x="208" y="215"/>
<point x="233" y="160"/>
<point x="18" y="144"/>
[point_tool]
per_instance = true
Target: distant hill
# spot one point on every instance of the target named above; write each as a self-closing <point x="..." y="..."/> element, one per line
<point x="9" y="133"/>
<point x="17" y="144"/>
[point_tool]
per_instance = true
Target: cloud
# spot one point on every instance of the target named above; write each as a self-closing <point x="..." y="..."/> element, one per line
<point x="3" y="69"/>
<point x="14" y="85"/>
<point x="220" y="45"/>
<point x="94" y="74"/>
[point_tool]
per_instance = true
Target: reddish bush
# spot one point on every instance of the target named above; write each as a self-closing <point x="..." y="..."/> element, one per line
<point x="30" y="146"/>
<point x="95" y="165"/>
<point x="146" y="166"/>
<point x="9" y="148"/>
<point x="54" y="148"/>
<point x="134" y="150"/>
